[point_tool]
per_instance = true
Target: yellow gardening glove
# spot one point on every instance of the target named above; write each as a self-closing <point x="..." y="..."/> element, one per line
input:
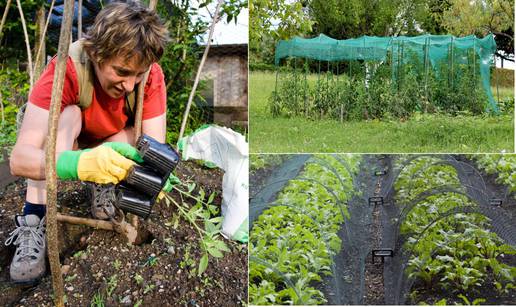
<point x="103" y="164"/>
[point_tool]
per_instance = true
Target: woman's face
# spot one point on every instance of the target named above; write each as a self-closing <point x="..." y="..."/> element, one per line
<point x="118" y="76"/>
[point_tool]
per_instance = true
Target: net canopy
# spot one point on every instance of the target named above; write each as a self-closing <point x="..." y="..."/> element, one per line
<point x="428" y="50"/>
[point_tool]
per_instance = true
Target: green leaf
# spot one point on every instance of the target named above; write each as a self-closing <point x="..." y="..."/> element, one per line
<point x="191" y="187"/>
<point x="222" y="246"/>
<point x="215" y="252"/>
<point x="203" y="264"/>
<point x="210" y="199"/>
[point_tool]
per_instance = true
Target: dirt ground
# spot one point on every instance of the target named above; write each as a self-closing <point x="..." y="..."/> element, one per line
<point x="99" y="267"/>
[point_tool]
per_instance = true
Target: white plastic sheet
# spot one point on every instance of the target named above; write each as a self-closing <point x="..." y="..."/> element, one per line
<point x="229" y="151"/>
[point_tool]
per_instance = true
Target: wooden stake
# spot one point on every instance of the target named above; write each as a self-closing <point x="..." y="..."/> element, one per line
<point x="139" y="102"/>
<point x="50" y="159"/>
<point x="130" y="232"/>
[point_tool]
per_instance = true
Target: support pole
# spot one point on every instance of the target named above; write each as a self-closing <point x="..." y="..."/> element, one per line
<point x="306" y="87"/>
<point x="427" y="45"/>
<point x="452" y="63"/>
<point x="497" y="83"/>
<point x="295" y="82"/>
<point x="50" y="158"/>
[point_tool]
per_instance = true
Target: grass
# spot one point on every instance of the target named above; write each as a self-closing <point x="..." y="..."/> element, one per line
<point x="424" y="133"/>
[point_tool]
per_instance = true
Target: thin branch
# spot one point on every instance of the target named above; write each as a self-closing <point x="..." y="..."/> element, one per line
<point x="498" y="54"/>
<point x="44" y="33"/>
<point x="79" y="25"/>
<point x="4" y="17"/>
<point x="27" y="43"/>
<point x="198" y="76"/>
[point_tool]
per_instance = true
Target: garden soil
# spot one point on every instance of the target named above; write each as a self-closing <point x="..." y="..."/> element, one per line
<point x="100" y="267"/>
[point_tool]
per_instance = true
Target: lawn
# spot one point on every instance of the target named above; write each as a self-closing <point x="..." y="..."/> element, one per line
<point x="423" y="133"/>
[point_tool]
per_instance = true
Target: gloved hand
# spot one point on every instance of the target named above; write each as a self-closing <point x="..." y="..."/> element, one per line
<point x="107" y="163"/>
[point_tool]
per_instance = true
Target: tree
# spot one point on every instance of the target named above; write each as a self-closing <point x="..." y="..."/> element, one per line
<point x="272" y="20"/>
<point x="481" y="17"/>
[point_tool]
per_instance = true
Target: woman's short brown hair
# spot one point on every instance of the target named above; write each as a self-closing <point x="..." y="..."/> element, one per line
<point x="126" y="29"/>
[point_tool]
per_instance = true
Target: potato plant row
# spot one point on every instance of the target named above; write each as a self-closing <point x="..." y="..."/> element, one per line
<point x="293" y="242"/>
<point x="457" y="257"/>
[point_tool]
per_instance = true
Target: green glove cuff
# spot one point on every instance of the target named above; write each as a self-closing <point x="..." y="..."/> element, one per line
<point x="67" y="162"/>
<point x="125" y="150"/>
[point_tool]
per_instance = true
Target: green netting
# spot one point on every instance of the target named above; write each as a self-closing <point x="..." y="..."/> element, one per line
<point x="428" y="50"/>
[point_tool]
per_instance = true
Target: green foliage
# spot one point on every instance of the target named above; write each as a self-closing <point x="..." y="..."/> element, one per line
<point x="298" y="235"/>
<point x="465" y="17"/>
<point x="14" y="89"/>
<point x="270" y="21"/>
<point x="12" y="45"/>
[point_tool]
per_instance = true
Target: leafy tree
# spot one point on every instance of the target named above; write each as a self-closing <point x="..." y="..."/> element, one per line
<point x="272" y="20"/>
<point x="480" y="17"/>
<point x="343" y="19"/>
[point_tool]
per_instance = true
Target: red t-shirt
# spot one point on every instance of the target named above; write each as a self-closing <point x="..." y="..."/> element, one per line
<point x="105" y="116"/>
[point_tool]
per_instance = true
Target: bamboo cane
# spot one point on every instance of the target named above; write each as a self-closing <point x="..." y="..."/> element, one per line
<point x="27" y="43"/>
<point x="50" y="171"/>
<point x="79" y="20"/>
<point x="198" y="76"/>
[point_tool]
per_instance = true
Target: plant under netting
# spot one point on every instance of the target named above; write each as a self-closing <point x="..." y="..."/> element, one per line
<point x="390" y="77"/>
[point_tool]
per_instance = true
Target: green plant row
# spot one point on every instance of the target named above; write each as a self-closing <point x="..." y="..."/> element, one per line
<point x="457" y="257"/>
<point x="502" y="165"/>
<point x="295" y="239"/>
<point x="373" y="91"/>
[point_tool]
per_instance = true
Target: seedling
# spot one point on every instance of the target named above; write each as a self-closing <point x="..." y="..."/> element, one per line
<point x="98" y="300"/>
<point x="138" y="278"/>
<point x="149" y="288"/>
<point x="111" y="285"/>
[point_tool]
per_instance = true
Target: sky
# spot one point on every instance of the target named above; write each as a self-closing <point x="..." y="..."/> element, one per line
<point x="231" y="33"/>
